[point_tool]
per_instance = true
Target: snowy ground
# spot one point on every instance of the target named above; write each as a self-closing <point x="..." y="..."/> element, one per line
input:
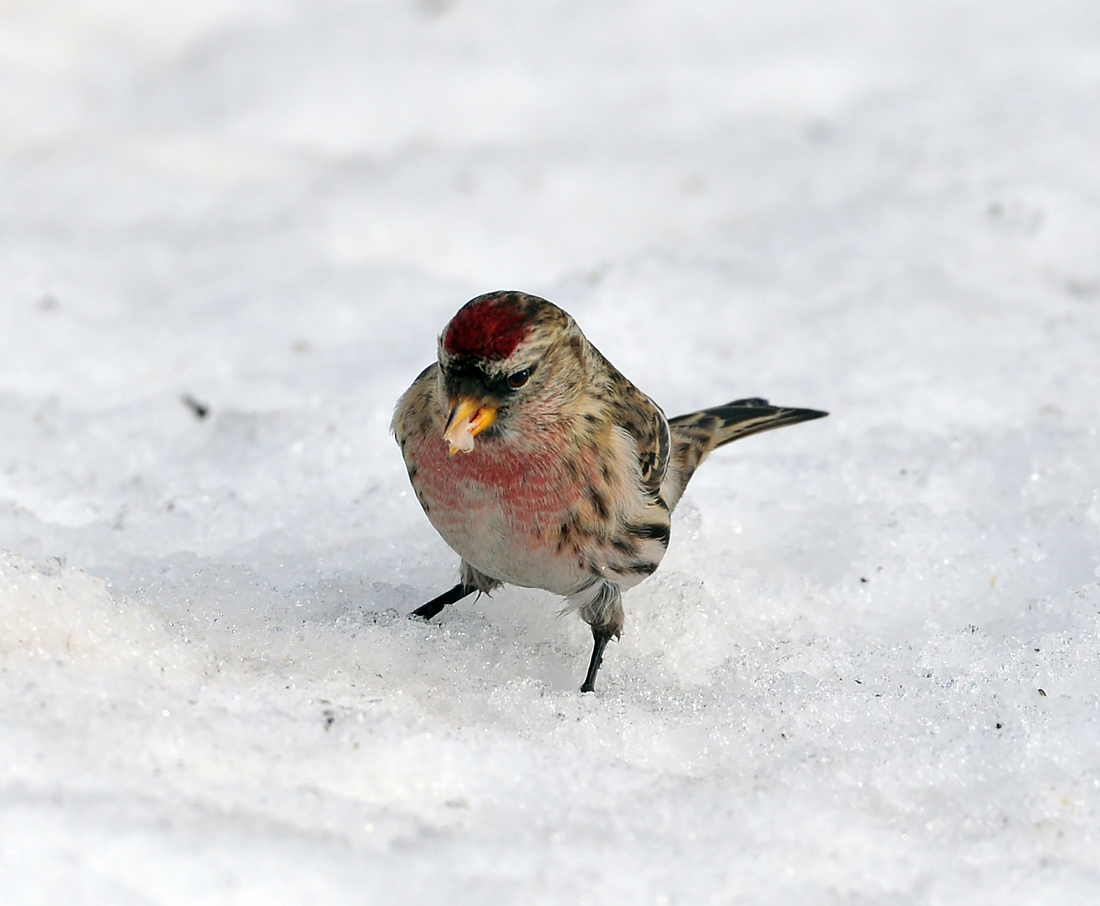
<point x="868" y="670"/>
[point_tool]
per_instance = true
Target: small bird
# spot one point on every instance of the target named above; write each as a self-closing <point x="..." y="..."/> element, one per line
<point x="542" y="466"/>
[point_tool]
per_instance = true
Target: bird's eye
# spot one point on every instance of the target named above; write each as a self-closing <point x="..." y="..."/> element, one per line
<point x="518" y="379"/>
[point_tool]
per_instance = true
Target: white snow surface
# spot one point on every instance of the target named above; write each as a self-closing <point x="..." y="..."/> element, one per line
<point x="868" y="671"/>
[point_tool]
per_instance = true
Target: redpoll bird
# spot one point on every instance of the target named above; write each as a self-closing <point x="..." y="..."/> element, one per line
<point x="542" y="466"/>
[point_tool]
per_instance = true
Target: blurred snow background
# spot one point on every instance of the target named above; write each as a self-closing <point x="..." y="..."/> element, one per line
<point x="868" y="670"/>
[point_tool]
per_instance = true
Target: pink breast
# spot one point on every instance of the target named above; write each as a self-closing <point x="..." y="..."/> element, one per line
<point x="529" y="490"/>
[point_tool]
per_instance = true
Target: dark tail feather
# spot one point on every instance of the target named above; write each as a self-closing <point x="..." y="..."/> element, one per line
<point x="696" y="434"/>
<point x="740" y="419"/>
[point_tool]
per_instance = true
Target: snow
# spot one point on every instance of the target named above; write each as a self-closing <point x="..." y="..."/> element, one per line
<point x="867" y="671"/>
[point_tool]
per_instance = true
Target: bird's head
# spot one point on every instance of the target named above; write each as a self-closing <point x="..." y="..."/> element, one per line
<point x="508" y="363"/>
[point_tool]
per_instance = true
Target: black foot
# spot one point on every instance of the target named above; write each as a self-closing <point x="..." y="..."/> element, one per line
<point x="600" y="639"/>
<point x="429" y="610"/>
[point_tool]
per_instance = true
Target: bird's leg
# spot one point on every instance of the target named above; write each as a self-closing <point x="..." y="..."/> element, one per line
<point x="603" y="611"/>
<point x="600" y="636"/>
<point x="429" y="610"/>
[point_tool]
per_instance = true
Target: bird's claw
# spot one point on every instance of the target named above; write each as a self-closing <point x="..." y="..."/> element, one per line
<point x="435" y="605"/>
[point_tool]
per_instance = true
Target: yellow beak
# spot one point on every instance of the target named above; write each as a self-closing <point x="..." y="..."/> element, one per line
<point x="468" y="419"/>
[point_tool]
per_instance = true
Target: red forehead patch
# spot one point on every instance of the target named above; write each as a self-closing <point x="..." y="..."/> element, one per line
<point x="489" y="328"/>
